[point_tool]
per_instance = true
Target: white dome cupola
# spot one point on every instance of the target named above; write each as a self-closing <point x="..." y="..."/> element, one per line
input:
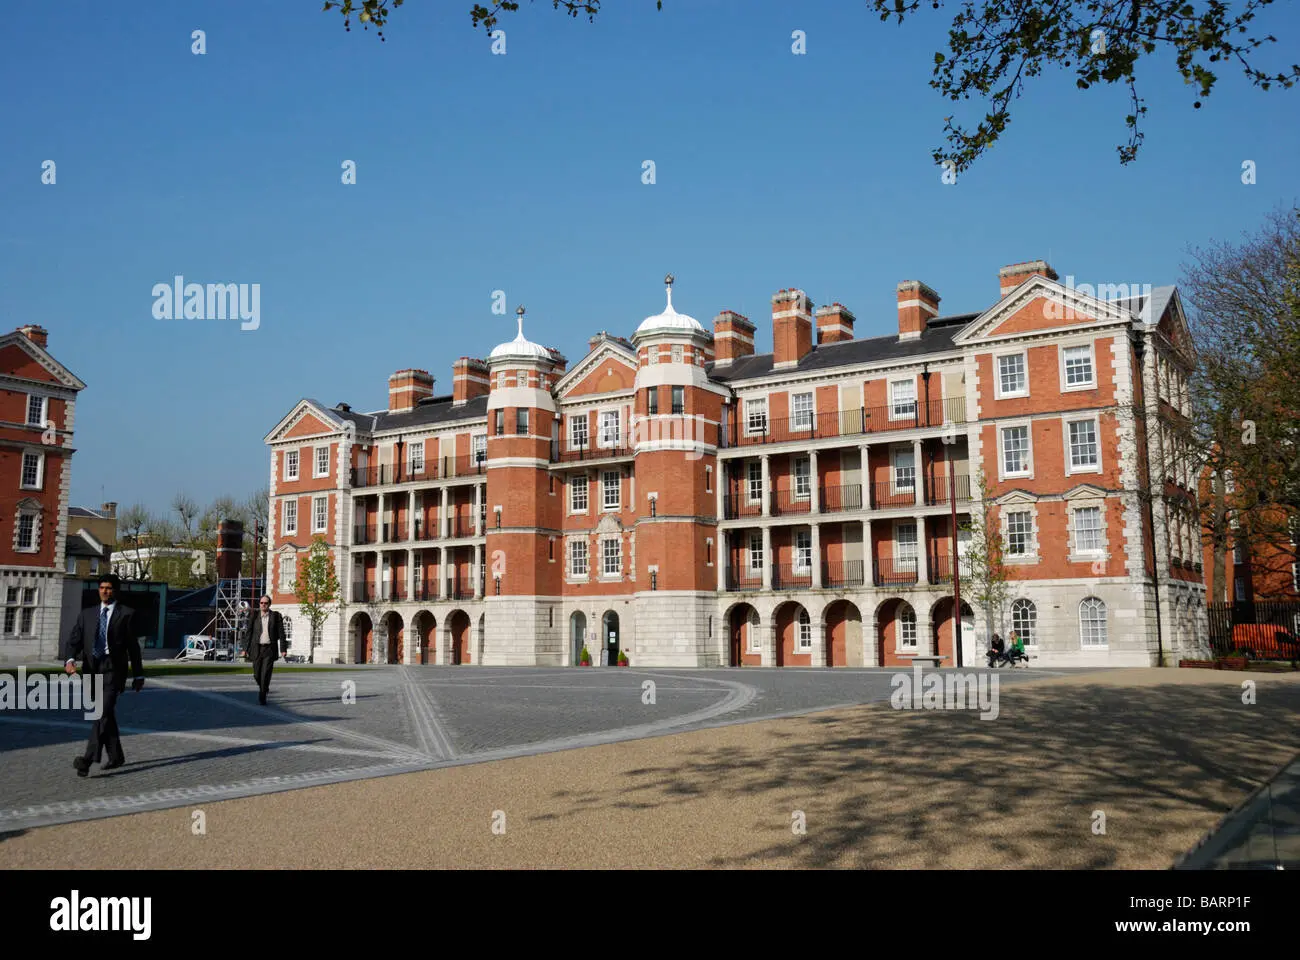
<point x="670" y="321"/>
<point x="520" y="348"/>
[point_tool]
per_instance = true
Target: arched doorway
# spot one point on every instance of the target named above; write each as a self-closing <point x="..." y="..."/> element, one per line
<point x="395" y="631"/>
<point x="609" y="631"/>
<point x="458" y="630"/>
<point x="362" y="633"/>
<point x="742" y="626"/>
<point x="577" y="637"/>
<point x="843" y="635"/>
<point x="943" y="633"/>
<point x="424" y="629"/>
<point x="896" y="635"/>
<point x="794" y="635"/>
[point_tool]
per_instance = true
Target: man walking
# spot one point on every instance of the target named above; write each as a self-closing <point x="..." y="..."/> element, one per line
<point x="262" y="641"/>
<point x="104" y="637"/>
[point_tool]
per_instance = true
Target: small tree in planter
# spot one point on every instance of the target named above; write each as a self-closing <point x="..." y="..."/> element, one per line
<point x="584" y="659"/>
<point x="622" y="659"/>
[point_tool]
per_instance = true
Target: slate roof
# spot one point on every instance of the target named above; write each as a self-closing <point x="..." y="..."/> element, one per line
<point x="1160" y="297"/>
<point x="430" y="411"/>
<point x="86" y="512"/>
<point x="935" y="338"/>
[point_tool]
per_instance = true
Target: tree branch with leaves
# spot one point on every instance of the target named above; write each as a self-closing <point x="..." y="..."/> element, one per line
<point x="317" y="590"/>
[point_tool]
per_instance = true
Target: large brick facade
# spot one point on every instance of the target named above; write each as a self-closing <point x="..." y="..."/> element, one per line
<point x="683" y="500"/>
<point x="38" y="398"/>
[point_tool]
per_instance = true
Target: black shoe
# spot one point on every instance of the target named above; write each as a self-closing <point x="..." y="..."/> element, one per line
<point x="113" y="764"/>
<point x="82" y="765"/>
<point x="262" y="699"/>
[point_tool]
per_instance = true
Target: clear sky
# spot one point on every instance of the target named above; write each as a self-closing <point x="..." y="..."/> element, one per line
<point x="522" y="172"/>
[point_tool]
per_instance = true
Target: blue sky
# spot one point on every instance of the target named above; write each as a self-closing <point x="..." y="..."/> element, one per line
<point x="479" y="172"/>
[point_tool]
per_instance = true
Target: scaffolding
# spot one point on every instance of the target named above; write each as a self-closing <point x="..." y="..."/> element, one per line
<point x="235" y="601"/>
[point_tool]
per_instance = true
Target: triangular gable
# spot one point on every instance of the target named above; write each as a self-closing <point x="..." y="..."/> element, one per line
<point x="1039" y="305"/>
<point x="306" y="419"/>
<point x="1014" y="497"/>
<point x="607" y="369"/>
<point x="1084" y="491"/>
<point x="33" y="362"/>
<point x="1173" y="324"/>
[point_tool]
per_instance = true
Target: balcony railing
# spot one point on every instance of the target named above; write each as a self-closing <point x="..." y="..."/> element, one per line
<point x="744" y="579"/>
<point x="888" y="493"/>
<point x="394" y="533"/>
<point x="788" y="501"/>
<point x="364" y="592"/>
<point x="843" y="573"/>
<point x="894" y="571"/>
<point x="940" y="489"/>
<point x="735" y="507"/>
<point x="619" y="448"/>
<point x="742" y="432"/>
<point x="846" y="497"/>
<point x="940" y="568"/>
<point x="440" y="468"/>
<point x="459" y="590"/>
<point x="363" y="535"/>
<point x="787" y="576"/>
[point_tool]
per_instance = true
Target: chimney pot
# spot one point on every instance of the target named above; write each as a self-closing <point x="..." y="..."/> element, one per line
<point x="36" y="334"/>
<point x="1014" y="274"/>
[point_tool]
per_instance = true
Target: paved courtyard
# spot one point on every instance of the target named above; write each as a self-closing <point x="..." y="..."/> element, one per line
<point x="206" y="737"/>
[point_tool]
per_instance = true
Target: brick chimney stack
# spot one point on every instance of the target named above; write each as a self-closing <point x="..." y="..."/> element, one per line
<point x="36" y="334"/>
<point x="834" y="323"/>
<point x="469" y="379"/>
<point x="1013" y="275"/>
<point x="733" y="337"/>
<point x="109" y="510"/>
<point x="406" y="388"/>
<point x="792" y="326"/>
<point x="917" y="303"/>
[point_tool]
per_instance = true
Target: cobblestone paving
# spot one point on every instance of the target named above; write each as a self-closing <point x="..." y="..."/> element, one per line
<point x="207" y="736"/>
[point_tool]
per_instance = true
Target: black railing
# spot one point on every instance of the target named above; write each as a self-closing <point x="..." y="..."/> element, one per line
<point x="892" y="571"/>
<point x="940" y="568"/>
<point x="940" y="489"/>
<point x="364" y="592"/>
<point x="887" y="494"/>
<point x="382" y="473"/>
<point x="1262" y="630"/>
<point x="787" y="576"/>
<point x="393" y="533"/>
<point x="788" y="501"/>
<point x="843" y="573"/>
<point x="846" y="497"/>
<point x="734" y="507"/>
<point x="363" y="535"/>
<point x="424" y="591"/>
<point x="744" y="579"/>
<point x="468" y="465"/>
<point x="742" y="432"/>
<point x="620" y="448"/>
<point x="459" y="590"/>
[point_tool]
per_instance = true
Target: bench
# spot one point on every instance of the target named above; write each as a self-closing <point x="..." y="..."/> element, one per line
<point x="924" y="658"/>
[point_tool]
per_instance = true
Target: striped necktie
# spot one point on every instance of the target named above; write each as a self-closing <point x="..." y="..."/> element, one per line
<point x="101" y="638"/>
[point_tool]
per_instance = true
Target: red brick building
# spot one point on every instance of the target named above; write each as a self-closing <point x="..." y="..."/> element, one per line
<point x="38" y="396"/>
<point x="683" y="499"/>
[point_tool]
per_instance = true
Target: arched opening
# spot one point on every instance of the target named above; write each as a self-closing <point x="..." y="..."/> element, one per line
<point x="361" y="636"/>
<point x="394" y="630"/>
<point x="609" y="631"/>
<point x="424" y="630"/>
<point x="943" y="632"/>
<point x="793" y="627"/>
<point x="577" y="637"/>
<point x="742" y="633"/>
<point x="843" y="635"/>
<point x="896" y="633"/>
<point x="458" y="633"/>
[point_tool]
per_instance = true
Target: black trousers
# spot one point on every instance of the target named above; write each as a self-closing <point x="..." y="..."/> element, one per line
<point x="104" y="735"/>
<point x="262" y="665"/>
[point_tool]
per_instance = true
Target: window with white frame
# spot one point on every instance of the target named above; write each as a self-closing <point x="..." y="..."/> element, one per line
<point x="756" y="551"/>
<point x="1024" y="621"/>
<point x="415" y="456"/>
<point x="11" y="610"/>
<point x="612" y="556"/>
<point x="1084" y="452"/>
<point x="802" y="479"/>
<point x="28" y="611"/>
<point x="1092" y="622"/>
<point x="290" y="517"/>
<point x="801" y="411"/>
<point x="612" y="484"/>
<point x="578" y="494"/>
<point x="501" y="421"/>
<point x="904" y="468"/>
<point x="291" y="465"/>
<point x="1087" y="530"/>
<point x="577" y="558"/>
<point x="578" y="431"/>
<point x="521" y="421"/>
<point x="902" y="398"/>
<point x="1015" y="451"/>
<point x="1078" y="366"/>
<point x="906" y="626"/>
<point x="677" y="353"/>
<point x="479" y="447"/>
<point x="805" y="630"/>
<point x="754" y="476"/>
<point x="33" y="464"/>
<point x="905" y="547"/>
<point x="679" y="400"/>
<point x="320" y="507"/>
<point x="27" y="530"/>
<point x="1020" y="533"/>
<point x="288" y="572"/>
<point x="652" y="401"/>
<point x="322" y="462"/>
<point x="609" y="428"/>
<point x="1013" y="379"/>
<point x="756" y="416"/>
<point x="36" y="410"/>
<point x="803" y="550"/>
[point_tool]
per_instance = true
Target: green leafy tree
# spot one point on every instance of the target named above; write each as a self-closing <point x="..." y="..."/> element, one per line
<point x="996" y="46"/>
<point x="317" y="590"/>
<point x="985" y="581"/>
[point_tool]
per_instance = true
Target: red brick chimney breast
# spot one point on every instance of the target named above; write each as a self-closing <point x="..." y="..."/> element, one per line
<point x="834" y="323"/>
<point x="917" y="303"/>
<point x="792" y="325"/>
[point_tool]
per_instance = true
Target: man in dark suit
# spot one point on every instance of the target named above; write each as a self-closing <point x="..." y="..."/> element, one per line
<point x="262" y="640"/>
<point x="104" y="638"/>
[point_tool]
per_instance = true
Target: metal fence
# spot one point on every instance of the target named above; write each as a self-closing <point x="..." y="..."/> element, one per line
<point x="1263" y="630"/>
